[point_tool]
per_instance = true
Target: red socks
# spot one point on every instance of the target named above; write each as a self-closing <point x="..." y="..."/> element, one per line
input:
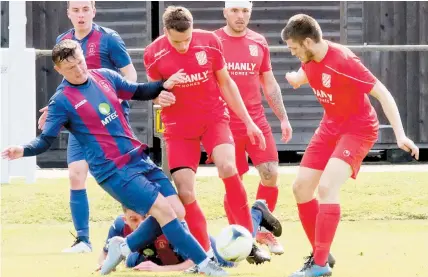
<point x="308" y="216"/>
<point x="228" y="211"/>
<point x="270" y="194"/>
<point x="197" y="223"/>
<point x="238" y="203"/>
<point x="327" y="221"/>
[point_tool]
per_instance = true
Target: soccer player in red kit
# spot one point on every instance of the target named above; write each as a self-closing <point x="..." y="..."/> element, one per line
<point x="248" y="62"/>
<point x="346" y="133"/>
<point x="199" y="114"/>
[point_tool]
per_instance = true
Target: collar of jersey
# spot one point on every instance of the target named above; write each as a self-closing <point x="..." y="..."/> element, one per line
<point x="87" y="36"/>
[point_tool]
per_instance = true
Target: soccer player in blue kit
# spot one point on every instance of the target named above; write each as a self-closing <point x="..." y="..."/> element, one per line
<point x="87" y="104"/>
<point x="102" y="48"/>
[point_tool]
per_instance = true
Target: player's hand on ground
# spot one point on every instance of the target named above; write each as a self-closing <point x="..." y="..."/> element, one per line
<point x="409" y="146"/>
<point x="254" y="133"/>
<point x="165" y="99"/>
<point x="148" y="266"/>
<point x="42" y="118"/>
<point x="287" y="131"/>
<point x="293" y="79"/>
<point x="13" y="152"/>
<point x="175" y="78"/>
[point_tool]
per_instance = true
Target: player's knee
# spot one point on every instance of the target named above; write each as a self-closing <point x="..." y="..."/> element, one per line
<point x="162" y="210"/>
<point x="77" y="179"/>
<point x="303" y="188"/>
<point x="327" y="192"/>
<point x="187" y="195"/>
<point x="226" y="169"/>
<point x="269" y="173"/>
<point x="77" y="173"/>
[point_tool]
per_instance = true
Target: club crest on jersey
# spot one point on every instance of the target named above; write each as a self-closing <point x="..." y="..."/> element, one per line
<point x="326" y="80"/>
<point x="254" y="51"/>
<point x="91" y="49"/>
<point x="105" y="85"/>
<point x="201" y="57"/>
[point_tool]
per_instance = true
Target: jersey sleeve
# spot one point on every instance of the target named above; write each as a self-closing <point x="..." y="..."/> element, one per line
<point x="266" y="62"/>
<point x="117" y="51"/>
<point x="218" y="60"/>
<point x="358" y="75"/>
<point x="57" y="117"/>
<point x="151" y="67"/>
<point x="124" y="89"/>
<point x="116" y="230"/>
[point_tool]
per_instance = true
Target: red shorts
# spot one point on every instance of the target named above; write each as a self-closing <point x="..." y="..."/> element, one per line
<point x="243" y="146"/>
<point x="183" y="140"/>
<point x="325" y="144"/>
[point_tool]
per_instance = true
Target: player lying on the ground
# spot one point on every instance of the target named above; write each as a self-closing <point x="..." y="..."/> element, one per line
<point x="158" y="256"/>
<point x="200" y="115"/>
<point x="346" y="133"/>
<point x="248" y="62"/>
<point x="102" y="48"/>
<point x="87" y="104"/>
<point x="126" y="224"/>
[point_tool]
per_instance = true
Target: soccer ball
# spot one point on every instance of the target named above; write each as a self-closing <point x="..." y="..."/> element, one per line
<point x="234" y="243"/>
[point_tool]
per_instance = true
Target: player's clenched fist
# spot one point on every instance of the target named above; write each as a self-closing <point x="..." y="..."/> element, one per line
<point x="175" y="79"/>
<point x="293" y="79"/>
<point x="13" y="152"/>
<point x="165" y="99"/>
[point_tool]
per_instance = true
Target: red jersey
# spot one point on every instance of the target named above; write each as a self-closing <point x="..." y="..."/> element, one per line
<point x="247" y="58"/>
<point x="342" y="84"/>
<point x="199" y="96"/>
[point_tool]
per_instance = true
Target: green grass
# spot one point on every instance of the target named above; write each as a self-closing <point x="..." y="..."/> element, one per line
<point x="383" y="230"/>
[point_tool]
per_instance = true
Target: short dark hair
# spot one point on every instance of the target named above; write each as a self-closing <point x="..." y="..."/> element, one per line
<point x="177" y="18"/>
<point x="92" y="4"/>
<point x="301" y="26"/>
<point x="65" y="49"/>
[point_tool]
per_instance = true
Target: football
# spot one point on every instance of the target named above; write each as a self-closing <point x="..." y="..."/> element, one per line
<point x="234" y="243"/>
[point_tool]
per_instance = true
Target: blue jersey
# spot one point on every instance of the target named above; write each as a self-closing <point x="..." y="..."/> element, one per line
<point x="92" y="113"/>
<point x="102" y="48"/>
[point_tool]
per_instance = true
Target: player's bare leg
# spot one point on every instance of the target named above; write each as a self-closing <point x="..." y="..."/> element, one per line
<point x="335" y="174"/>
<point x="304" y="187"/>
<point x="224" y="158"/>
<point x="79" y="205"/>
<point x="184" y="180"/>
<point x="268" y="191"/>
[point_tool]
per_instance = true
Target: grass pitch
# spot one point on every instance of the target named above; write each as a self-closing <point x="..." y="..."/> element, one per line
<point x="384" y="228"/>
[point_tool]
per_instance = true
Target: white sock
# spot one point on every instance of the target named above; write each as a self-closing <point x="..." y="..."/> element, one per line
<point x="210" y="253"/>
<point x="204" y="263"/>
<point x="263" y="229"/>
<point x="124" y="249"/>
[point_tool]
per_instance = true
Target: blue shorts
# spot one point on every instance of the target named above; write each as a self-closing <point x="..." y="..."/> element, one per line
<point x="74" y="150"/>
<point x="137" y="186"/>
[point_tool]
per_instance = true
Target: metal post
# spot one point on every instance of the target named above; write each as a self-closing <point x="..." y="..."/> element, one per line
<point x="158" y="132"/>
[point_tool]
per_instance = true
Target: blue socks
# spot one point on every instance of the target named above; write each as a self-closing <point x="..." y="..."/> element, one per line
<point x="79" y="206"/>
<point x="256" y="215"/>
<point x="145" y="234"/>
<point x="183" y="241"/>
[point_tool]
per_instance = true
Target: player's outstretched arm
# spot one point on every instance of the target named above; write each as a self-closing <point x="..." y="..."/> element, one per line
<point x="230" y="93"/>
<point x="152" y="267"/>
<point x="296" y="79"/>
<point x="272" y="92"/>
<point x="146" y="91"/>
<point x="57" y="117"/>
<point x="389" y="106"/>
